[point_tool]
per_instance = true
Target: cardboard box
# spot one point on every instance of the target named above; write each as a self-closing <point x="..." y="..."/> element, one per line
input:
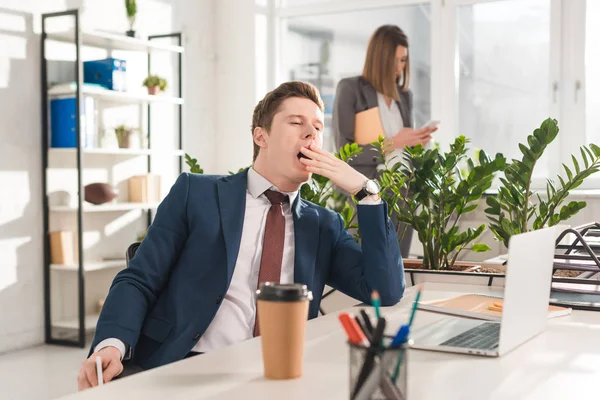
<point x="144" y="188"/>
<point x="63" y="248"/>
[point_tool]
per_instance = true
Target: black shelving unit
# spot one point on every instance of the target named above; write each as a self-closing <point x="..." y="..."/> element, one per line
<point x="75" y="335"/>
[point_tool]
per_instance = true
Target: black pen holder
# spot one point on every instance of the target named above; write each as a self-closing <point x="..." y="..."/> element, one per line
<point x="378" y="374"/>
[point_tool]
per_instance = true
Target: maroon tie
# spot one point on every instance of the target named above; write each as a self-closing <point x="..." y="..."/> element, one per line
<point x="272" y="250"/>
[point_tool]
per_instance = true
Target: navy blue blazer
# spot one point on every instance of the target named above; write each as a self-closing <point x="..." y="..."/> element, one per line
<point x="165" y="300"/>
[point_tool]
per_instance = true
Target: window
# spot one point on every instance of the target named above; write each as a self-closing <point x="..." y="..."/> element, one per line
<point x="503" y="73"/>
<point x="323" y="49"/>
<point x="491" y="70"/>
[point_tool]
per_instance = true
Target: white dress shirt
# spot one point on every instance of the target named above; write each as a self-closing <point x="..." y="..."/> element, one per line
<point x="234" y="321"/>
<point x="392" y="122"/>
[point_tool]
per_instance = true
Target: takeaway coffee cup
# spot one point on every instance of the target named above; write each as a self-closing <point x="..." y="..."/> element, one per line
<point x="282" y="314"/>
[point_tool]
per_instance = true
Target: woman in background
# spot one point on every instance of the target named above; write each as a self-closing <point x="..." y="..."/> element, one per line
<point x="383" y="89"/>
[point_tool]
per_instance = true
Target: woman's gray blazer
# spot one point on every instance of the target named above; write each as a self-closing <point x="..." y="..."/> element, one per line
<point x="352" y="96"/>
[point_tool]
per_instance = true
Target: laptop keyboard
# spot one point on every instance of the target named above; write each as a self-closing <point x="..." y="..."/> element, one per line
<point x="484" y="337"/>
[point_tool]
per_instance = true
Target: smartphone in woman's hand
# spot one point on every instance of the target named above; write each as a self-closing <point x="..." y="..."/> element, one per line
<point x="431" y="124"/>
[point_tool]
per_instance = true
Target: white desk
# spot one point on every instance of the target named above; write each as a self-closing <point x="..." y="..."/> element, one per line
<point x="561" y="363"/>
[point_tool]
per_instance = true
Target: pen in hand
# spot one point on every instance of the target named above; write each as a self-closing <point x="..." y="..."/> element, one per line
<point x="99" y="370"/>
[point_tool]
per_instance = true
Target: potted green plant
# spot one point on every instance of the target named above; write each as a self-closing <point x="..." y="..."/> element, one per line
<point x="513" y="209"/>
<point x="439" y="190"/>
<point x="154" y="84"/>
<point x="126" y="137"/>
<point x="131" y="8"/>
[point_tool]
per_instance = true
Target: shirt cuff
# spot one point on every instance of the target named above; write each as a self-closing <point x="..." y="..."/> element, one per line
<point x="111" y="342"/>
<point x="368" y="202"/>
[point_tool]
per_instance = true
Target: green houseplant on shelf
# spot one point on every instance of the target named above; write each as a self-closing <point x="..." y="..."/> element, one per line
<point x="126" y="136"/>
<point x="513" y="209"/>
<point x="155" y="84"/>
<point x="131" y="9"/>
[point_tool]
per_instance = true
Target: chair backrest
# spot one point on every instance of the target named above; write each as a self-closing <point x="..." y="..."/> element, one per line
<point x="130" y="253"/>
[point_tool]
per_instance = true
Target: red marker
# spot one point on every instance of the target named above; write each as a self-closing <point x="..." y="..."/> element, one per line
<point x="355" y="334"/>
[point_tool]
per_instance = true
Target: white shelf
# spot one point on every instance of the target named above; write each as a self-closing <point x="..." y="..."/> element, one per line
<point x="73" y="323"/>
<point x="119" y="152"/>
<point x="66" y="90"/>
<point x="114" y="41"/>
<point x="90" y="266"/>
<point x="87" y="207"/>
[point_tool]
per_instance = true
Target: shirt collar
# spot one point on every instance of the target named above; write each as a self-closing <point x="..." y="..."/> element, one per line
<point x="258" y="184"/>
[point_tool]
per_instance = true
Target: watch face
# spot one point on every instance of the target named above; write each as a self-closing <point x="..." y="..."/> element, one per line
<point x="372" y="187"/>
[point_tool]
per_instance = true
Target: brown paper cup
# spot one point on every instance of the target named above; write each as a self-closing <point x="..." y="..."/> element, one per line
<point x="282" y="314"/>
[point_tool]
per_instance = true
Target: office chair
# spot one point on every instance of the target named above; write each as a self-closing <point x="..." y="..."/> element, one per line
<point x="130" y="253"/>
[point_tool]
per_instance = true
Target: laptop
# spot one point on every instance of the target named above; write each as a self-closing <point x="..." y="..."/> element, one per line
<point x="525" y="307"/>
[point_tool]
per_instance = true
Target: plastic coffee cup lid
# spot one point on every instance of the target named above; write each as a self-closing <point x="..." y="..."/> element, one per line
<point x="285" y="292"/>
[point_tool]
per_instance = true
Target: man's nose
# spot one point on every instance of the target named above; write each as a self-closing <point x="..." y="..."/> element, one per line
<point x="311" y="133"/>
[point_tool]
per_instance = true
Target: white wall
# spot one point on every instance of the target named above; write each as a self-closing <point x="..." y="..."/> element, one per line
<point x="196" y="19"/>
<point x="21" y="312"/>
<point x="21" y="255"/>
<point x="235" y="76"/>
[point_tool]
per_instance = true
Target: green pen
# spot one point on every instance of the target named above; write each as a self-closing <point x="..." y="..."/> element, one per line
<point x="410" y="321"/>
<point x="415" y="306"/>
<point x="376" y="301"/>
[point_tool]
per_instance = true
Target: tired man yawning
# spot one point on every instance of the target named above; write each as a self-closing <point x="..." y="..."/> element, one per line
<point x="191" y="286"/>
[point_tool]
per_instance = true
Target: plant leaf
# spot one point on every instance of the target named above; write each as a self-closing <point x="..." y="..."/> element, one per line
<point x="576" y="164"/>
<point x="584" y="157"/>
<point x="568" y="171"/>
<point x="480" y="247"/>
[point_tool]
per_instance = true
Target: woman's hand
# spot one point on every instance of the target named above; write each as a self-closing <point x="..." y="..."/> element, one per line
<point x="411" y="137"/>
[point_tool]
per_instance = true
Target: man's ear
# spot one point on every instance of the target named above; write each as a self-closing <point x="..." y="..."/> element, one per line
<point x="260" y="136"/>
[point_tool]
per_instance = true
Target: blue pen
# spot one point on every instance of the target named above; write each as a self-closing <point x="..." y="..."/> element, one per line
<point x="401" y="337"/>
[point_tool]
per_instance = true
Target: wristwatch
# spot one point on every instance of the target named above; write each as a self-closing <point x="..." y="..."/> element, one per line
<point x="370" y="188"/>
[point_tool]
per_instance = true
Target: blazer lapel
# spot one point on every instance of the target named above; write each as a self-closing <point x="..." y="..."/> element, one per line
<point x="368" y="94"/>
<point x="232" y="206"/>
<point x="404" y="112"/>
<point x="404" y="106"/>
<point x="306" y="238"/>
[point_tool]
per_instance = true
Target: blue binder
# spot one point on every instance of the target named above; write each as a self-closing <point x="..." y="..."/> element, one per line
<point x="62" y="123"/>
<point x="109" y="73"/>
<point x="63" y="129"/>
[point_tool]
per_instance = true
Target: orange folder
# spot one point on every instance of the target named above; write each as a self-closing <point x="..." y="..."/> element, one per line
<point x="367" y="126"/>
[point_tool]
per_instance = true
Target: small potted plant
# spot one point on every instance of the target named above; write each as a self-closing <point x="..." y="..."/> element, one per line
<point x="155" y="83"/>
<point x="131" y="7"/>
<point x="126" y="137"/>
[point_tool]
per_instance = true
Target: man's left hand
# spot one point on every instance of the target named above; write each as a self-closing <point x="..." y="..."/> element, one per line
<point x="337" y="171"/>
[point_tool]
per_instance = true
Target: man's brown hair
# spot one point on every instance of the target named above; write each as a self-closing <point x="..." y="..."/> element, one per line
<point x="266" y="109"/>
<point x="380" y="63"/>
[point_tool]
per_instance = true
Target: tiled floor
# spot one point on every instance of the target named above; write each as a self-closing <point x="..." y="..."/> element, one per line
<point x="40" y="373"/>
